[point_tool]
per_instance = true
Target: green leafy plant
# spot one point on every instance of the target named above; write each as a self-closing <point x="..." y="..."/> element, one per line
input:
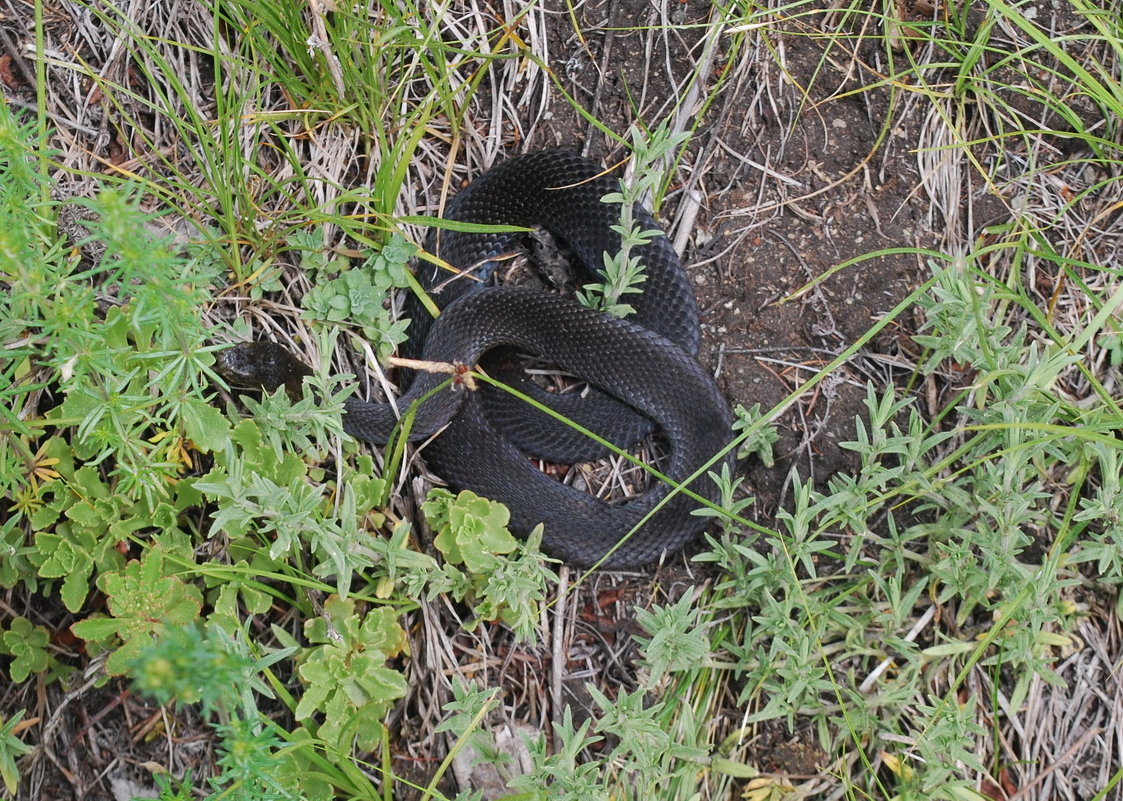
<point x="144" y="597"/>
<point x="248" y="759"/>
<point x="346" y="673"/>
<point x="15" y="557"/>
<point x="11" y="749"/>
<point x="471" y="530"/>
<point x="78" y="524"/>
<point x="675" y="639"/>
<point x="623" y="271"/>
<point x="188" y="664"/>
<point x="263" y="488"/>
<point x="358" y="295"/>
<point x="172" y="789"/>
<point x="756" y="438"/>
<point x="27" y="643"/>
<point x="562" y="773"/>
<point x="502" y="577"/>
<point x="958" y="552"/>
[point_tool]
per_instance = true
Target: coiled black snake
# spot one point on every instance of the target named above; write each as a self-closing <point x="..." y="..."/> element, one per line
<point x="647" y="362"/>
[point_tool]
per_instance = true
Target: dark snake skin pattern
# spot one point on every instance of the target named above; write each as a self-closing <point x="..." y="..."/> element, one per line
<point x="643" y="369"/>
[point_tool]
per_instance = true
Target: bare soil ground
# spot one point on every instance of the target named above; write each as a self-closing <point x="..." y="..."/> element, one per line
<point x="792" y="172"/>
<point x="783" y="188"/>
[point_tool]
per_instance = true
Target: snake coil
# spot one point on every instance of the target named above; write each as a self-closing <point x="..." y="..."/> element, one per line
<point x="643" y="368"/>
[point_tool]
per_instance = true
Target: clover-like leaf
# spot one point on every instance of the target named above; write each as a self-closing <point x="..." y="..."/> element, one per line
<point x="68" y="558"/>
<point x="28" y="644"/>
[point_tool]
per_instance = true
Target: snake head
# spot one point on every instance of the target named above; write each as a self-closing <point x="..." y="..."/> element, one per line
<point x="256" y="365"/>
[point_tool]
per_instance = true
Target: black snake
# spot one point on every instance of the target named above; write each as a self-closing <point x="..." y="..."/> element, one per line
<point x="644" y="368"/>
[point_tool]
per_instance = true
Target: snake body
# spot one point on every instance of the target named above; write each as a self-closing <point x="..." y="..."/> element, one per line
<point x="643" y="369"/>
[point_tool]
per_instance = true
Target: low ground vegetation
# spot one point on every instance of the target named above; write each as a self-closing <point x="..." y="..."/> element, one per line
<point x="206" y="593"/>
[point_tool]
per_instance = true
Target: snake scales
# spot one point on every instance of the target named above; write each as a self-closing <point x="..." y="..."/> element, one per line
<point x="643" y="368"/>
